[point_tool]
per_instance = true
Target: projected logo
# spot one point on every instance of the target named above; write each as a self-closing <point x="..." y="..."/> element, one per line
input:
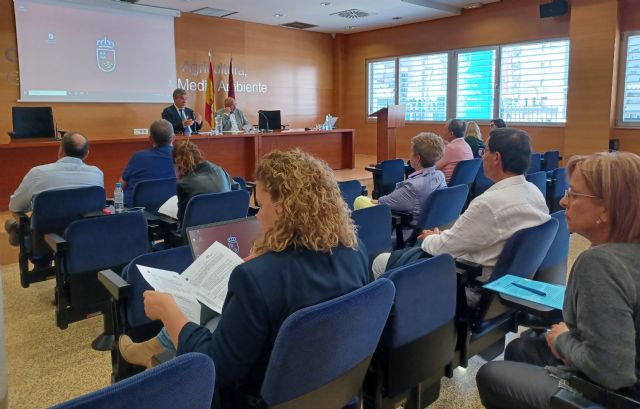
<point x="232" y="243"/>
<point x="106" y="54"/>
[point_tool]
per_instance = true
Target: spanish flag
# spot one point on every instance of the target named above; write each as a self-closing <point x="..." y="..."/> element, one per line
<point x="210" y="96"/>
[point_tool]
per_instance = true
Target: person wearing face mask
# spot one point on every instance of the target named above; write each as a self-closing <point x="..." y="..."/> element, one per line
<point x="232" y="118"/>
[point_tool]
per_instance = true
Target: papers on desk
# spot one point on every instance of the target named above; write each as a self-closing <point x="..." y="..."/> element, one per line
<point x="551" y="295"/>
<point x="170" y="207"/>
<point x="204" y="281"/>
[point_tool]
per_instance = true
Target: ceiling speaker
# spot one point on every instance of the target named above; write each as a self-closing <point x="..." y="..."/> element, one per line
<point x="554" y="9"/>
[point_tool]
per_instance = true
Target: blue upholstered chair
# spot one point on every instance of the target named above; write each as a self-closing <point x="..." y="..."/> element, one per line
<point x="374" y="228"/>
<point x="126" y="314"/>
<point x="419" y="340"/>
<point x="465" y="172"/>
<point x="321" y="353"/>
<point x="388" y="173"/>
<point x="350" y="190"/>
<point x="53" y="211"/>
<point x="442" y="208"/>
<point x="550" y="160"/>
<point x="185" y="382"/>
<point x="86" y="247"/>
<point x="215" y="207"/>
<point x="481" y="183"/>
<point x="553" y="268"/>
<point x="556" y="186"/>
<point x="151" y="194"/>
<point x="484" y="321"/>
<point x="536" y="163"/>
<point x="540" y="180"/>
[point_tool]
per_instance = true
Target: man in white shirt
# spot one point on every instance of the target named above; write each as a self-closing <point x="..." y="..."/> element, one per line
<point x="511" y="204"/>
<point x="232" y="118"/>
<point x="68" y="171"/>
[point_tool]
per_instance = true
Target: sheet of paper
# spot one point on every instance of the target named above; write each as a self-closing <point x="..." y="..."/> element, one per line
<point x="210" y="273"/>
<point x="170" y="282"/>
<point x="170" y="207"/>
<point x="538" y="292"/>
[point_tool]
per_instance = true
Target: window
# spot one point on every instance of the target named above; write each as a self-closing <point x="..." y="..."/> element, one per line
<point x="423" y="87"/>
<point x="522" y="83"/>
<point x="534" y="81"/>
<point x="631" y="92"/>
<point x="382" y="84"/>
<point x="476" y="82"/>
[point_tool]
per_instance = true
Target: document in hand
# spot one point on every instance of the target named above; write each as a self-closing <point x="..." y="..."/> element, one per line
<point x="204" y="281"/>
<point x="551" y="295"/>
<point x="170" y="207"/>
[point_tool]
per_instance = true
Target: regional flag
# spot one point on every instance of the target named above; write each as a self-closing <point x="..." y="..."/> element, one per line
<point x="232" y="89"/>
<point x="210" y="97"/>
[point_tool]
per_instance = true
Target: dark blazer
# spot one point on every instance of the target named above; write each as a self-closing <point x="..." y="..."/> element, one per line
<point x="263" y="292"/>
<point x="206" y="178"/>
<point x="172" y="115"/>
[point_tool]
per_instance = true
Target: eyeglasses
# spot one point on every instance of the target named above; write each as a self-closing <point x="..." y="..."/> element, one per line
<point x="569" y="193"/>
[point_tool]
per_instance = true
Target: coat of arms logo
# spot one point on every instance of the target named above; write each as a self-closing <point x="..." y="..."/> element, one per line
<point x="106" y="54"/>
<point x="232" y="243"/>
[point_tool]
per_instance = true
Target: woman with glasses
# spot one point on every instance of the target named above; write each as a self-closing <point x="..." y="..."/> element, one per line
<point x="600" y="335"/>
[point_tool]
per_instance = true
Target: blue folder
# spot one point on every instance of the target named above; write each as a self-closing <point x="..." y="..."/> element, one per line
<point x="551" y="295"/>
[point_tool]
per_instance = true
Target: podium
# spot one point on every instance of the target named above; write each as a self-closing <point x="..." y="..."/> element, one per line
<point x="389" y="119"/>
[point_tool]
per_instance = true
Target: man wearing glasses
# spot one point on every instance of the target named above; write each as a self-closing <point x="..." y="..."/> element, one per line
<point x="511" y="204"/>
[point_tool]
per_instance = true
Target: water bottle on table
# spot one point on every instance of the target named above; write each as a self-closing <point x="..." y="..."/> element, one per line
<point x="118" y="198"/>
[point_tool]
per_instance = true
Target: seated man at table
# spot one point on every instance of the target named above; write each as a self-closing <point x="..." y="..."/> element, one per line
<point x="152" y="163"/>
<point x="233" y="119"/>
<point x="456" y="149"/>
<point x="68" y="171"/>
<point x="511" y="204"/>
<point x="184" y="120"/>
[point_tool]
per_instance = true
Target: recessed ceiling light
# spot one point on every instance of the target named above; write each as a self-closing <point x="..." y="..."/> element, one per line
<point x="475" y="5"/>
<point x="278" y="15"/>
<point x="396" y="18"/>
<point x="350" y="27"/>
<point x="325" y="3"/>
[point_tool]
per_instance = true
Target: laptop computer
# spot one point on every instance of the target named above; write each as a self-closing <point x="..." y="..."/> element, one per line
<point x="237" y="234"/>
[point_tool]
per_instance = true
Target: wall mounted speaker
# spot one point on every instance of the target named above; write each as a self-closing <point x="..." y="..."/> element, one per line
<point x="554" y="9"/>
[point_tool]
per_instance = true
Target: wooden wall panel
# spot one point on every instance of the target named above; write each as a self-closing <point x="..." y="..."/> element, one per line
<point x="297" y="67"/>
<point x="497" y="23"/>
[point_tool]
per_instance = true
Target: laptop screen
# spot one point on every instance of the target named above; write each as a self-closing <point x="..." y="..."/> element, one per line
<point x="237" y="234"/>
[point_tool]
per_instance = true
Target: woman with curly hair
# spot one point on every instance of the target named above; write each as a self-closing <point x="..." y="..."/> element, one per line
<point x="196" y="175"/>
<point x="308" y="253"/>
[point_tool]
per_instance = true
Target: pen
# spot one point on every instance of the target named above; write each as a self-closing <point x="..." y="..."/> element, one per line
<point x="533" y="290"/>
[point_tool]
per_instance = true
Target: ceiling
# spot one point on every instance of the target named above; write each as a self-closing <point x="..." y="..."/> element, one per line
<point x="380" y="13"/>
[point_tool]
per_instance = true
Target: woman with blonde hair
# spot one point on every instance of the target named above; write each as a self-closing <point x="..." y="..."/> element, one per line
<point x="599" y="337"/>
<point x="308" y="253"/>
<point x="196" y="175"/>
<point x="473" y="136"/>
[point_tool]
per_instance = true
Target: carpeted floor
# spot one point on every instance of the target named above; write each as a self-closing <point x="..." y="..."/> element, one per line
<point x="47" y="365"/>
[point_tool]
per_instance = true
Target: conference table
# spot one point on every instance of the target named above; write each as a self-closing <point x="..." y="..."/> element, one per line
<point x="237" y="153"/>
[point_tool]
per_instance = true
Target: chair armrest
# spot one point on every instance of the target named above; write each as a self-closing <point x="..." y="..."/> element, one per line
<point x="115" y="285"/>
<point x="600" y="395"/>
<point x="56" y="242"/>
<point x="538" y="310"/>
<point x="467" y="271"/>
<point x="373" y="169"/>
<point x="565" y="399"/>
<point x="21" y="217"/>
<point x="405" y="218"/>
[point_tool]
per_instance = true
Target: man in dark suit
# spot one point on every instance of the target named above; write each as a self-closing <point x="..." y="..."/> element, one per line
<point x="183" y="119"/>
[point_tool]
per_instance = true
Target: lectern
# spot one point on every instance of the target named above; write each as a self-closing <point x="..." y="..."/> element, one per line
<point x="389" y="119"/>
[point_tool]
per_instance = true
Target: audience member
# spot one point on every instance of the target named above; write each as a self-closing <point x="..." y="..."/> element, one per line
<point x="497" y="123"/>
<point x="456" y="148"/>
<point x="183" y="119"/>
<point x="196" y="175"/>
<point x="308" y="253"/>
<point x="411" y="194"/>
<point x="232" y="118"/>
<point x="473" y="136"/>
<point x="68" y="171"/>
<point x="149" y="164"/>
<point x="599" y="337"/>
<point x="480" y="233"/>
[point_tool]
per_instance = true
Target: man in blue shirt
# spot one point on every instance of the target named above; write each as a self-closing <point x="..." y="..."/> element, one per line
<point x="154" y="163"/>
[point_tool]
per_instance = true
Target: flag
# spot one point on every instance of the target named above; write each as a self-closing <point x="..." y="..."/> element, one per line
<point x="209" y="96"/>
<point x="232" y="90"/>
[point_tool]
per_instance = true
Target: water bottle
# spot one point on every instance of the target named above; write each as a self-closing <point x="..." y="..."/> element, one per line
<point x="118" y="198"/>
<point x="187" y="131"/>
<point x="219" y="124"/>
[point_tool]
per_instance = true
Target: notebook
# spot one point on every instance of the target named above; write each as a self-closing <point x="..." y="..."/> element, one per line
<point x="238" y="235"/>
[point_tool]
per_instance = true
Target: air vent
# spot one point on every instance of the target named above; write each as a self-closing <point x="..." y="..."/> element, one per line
<point x="299" y="25"/>
<point x="351" y="13"/>
<point x="213" y="12"/>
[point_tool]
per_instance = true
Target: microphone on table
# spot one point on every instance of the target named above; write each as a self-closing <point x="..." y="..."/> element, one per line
<point x="266" y="119"/>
